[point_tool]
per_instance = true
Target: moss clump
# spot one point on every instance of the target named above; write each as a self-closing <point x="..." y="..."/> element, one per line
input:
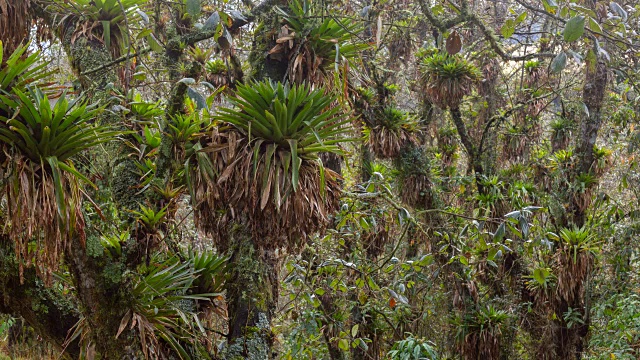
<point x="124" y="184"/>
<point x="94" y="247"/>
<point x="112" y="274"/>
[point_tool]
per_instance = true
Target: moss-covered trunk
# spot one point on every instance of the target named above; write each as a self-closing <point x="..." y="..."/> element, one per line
<point x="569" y="342"/>
<point x="471" y="149"/>
<point x="252" y="293"/>
<point x="45" y="310"/>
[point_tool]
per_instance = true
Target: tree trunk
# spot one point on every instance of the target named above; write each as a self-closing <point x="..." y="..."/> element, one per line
<point x="571" y="342"/>
<point x="474" y="162"/>
<point x="330" y="332"/>
<point x="252" y="294"/>
<point x="49" y="314"/>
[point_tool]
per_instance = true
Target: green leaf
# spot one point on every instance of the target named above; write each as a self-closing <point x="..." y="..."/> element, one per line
<point x="363" y="345"/>
<point x="550" y="6"/>
<point x="508" y="28"/>
<point x="343" y="344"/>
<point x="513" y="215"/>
<point x="187" y="81"/>
<point x="198" y="99"/>
<point x="295" y="163"/>
<point x="499" y="235"/>
<point x="558" y="63"/>
<point x="594" y="26"/>
<point x="106" y="33"/>
<point x="574" y="28"/>
<point x="540" y="275"/>
<point x="154" y="44"/>
<point x="59" y="192"/>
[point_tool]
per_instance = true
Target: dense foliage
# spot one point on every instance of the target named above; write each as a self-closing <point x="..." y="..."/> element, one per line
<point x="295" y="179"/>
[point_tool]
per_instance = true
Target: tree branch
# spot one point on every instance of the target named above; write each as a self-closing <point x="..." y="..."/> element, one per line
<point x="489" y="34"/>
<point x="117" y="61"/>
<point x="49" y="315"/>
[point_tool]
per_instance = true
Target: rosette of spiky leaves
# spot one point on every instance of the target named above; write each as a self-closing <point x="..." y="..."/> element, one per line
<point x="479" y="332"/>
<point x="217" y="72"/>
<point x="413" y="348"/>
<point x="199" y="54"/>
<point x="162" y="308"/>
<point x="211" y="269"/>
<point x="143" y="112"/>
<point x="446" y="79"/>
<point x="573" y="262"/>
<point x="602" y="160"/>
<point x="561" y="133"/>
<point x="43" y="188"/>
<point x="103" y="20"/>
<point x="541" y="283"/>
<point x="264" y="166"/>
<point x="393" y="130"/>
<point x="314" y="43"/>
<point x="18" y="70"/>
<point x="184" y="130"/>
<point x="534" y="73"/>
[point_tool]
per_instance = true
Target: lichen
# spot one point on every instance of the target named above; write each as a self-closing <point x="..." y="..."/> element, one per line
<point x="254" y="345"/>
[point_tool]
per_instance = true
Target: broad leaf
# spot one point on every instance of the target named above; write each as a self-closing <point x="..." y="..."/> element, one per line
<point x="574" y="28"/>
<point x="559" y="63"/>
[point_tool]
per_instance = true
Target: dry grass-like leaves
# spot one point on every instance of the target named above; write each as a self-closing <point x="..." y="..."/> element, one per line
<point x="386" y="143"/>
<point x="277" y="215"/>
<point x="15" y="23"/>
<point x="572" y="270"/>
<point x="416" y="191"/>
<point x="34" y="219"/>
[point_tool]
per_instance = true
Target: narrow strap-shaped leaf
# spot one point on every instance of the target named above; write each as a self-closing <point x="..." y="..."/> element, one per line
<point x="276" y="186"/>
<point x="106" y="33"/>
<point x="190" y="188"/>
<point x="295" y="162"/>
<point x="300" y="117"/>
<point x="30" y="144"/>
<point x="44" y="141"/>
<point x="71" y="170"/>
<point x="58" y="188"/>
<point x="281" y="116"/>
<point x="59" y="112"/>
<point x="256" y="156"/>
<point x="267" y="172"/>
<point x="278" y="134"/>
<point x="323" y="183"/>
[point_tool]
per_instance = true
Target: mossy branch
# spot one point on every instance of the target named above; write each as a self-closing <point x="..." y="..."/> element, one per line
<point x="117" y="61"/>
<point x="489" y="34"/>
